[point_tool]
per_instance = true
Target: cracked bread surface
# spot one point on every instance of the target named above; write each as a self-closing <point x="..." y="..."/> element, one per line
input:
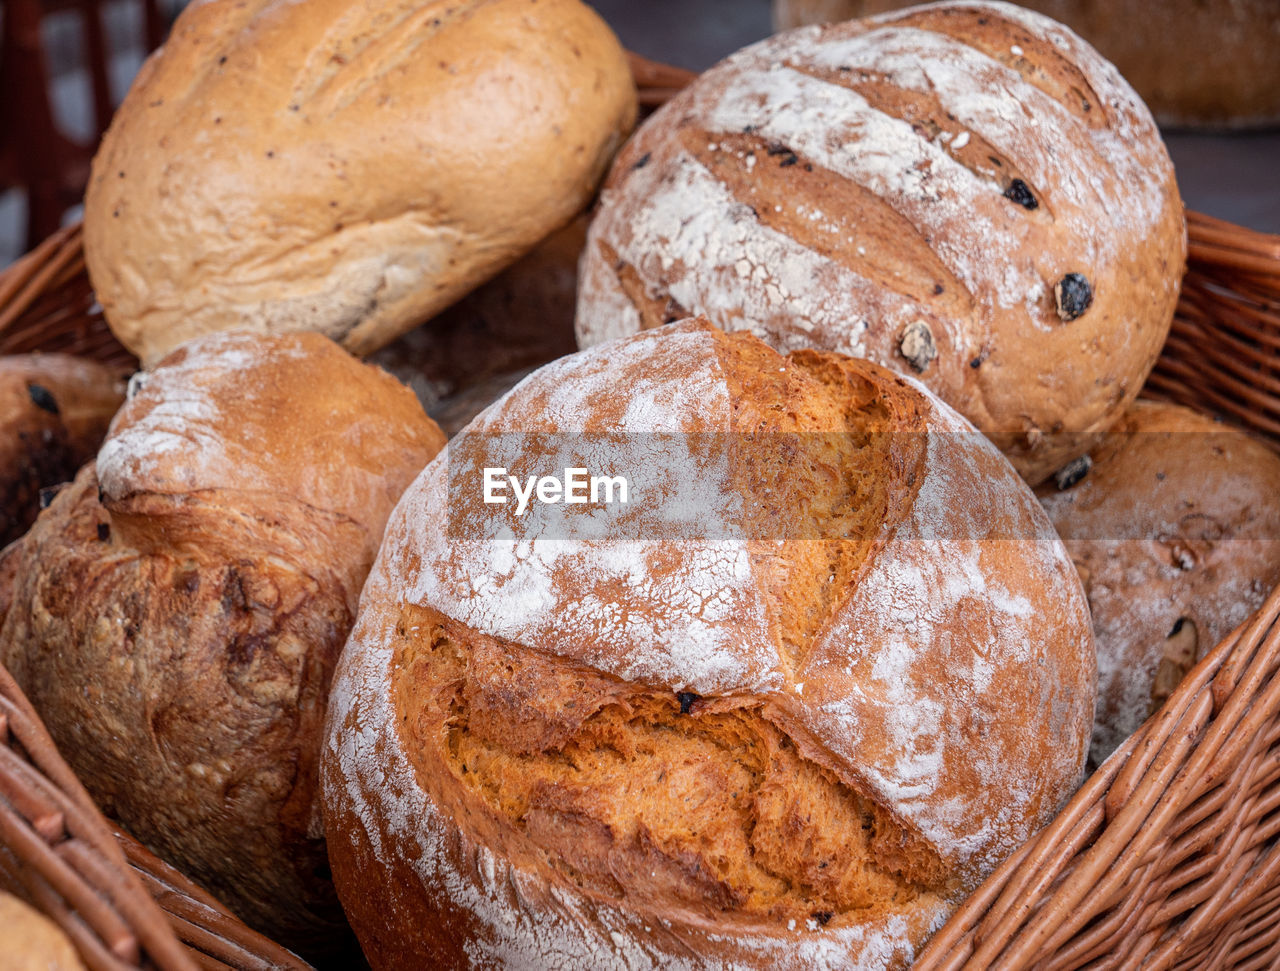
<point x="940" y="170"/>
<point x="775" y="746"/>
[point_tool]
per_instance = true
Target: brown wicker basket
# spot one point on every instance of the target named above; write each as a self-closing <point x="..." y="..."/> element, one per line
<point x="1165" y="858"/>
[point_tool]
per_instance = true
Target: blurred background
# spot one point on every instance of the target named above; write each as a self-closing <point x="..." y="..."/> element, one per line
<point x="64" y="64"/>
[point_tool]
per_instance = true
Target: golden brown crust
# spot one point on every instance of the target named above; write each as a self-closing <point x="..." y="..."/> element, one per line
<point x="1205" y="63"/>
<point x="964" y="192"/>
<point x="32" y="942"/>
<point x="352" y="170"/>
<point x="54" y="410"/>
<point x="178" y="610"/>
<point x="1175" y="529"/>
<point x="795" y="742"/>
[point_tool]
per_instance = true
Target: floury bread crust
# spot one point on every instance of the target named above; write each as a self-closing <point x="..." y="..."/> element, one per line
<point x="1175" y="530"/>
<point x="967" y="193"/>
<point x="726" y="750"/>
<point x="350" y="168"/>
<point x="1237" y="87"/>
<point x="176" y="613"/>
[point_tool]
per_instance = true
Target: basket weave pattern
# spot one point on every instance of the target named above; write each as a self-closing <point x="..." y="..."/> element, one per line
<point x="1165" y="858"/>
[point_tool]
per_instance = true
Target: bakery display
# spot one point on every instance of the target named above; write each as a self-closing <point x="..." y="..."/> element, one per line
<point x="54" y="410"/>
<point x="1174" y="525"/>
<point x="32" y="942"/>
<point x="350" y="169"/>
<point x="176" y="613"/>
<point x="965" y="192"/>
<point x="1201" y="63"/>
<point x="785" y="709"/>
<point x="821" y="666"/>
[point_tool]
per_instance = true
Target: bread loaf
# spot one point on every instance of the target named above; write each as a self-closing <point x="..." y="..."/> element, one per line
<point x="1206" y="63"/>
<point x="177" y="611"/>
<point x="783" y="710"/>
<point x="30" y="941"/>
<point x="54" y="410"/>
<point x="965" y="192"/>
<point x="345" y="168"/>
<point x="1174" y="525"/>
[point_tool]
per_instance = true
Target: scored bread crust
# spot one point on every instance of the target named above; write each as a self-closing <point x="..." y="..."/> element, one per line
<point x="346" y="168"/>
<point x="1236" y="86"/>
<point x="1175" y="530"/>
<point x="864" y="187"/>
<point x="942" y="674"/>
<point x="176" y="613"/>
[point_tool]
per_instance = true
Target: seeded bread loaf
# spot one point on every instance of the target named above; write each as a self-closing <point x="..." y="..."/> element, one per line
<point x="54" y="410"/>
<point x="1195" y="62"/>
<point x="346" y="168"/>
<point x="965" y="192"/>
<point x="1174" y="525"/>
<point x="783" y="709"/>
<point x="176" y="613"/>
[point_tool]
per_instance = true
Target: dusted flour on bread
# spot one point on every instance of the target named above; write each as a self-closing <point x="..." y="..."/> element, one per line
<point x="915" y="189"/>
<point x="716" y="750"/>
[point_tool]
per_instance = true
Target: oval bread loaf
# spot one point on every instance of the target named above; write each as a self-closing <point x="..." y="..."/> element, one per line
<point x="966" y="192"/>
<point x="346" y="168"/>
<point x="30" y="941"/>
<point x="792" y="730"/>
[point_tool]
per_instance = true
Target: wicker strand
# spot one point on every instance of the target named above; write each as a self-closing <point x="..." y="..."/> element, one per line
<point x="1212" y="746"/>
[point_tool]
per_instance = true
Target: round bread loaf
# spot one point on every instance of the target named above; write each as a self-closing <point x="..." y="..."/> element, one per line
<point x="345" y="168"/>
<point x="176" y="613"/>
<point x="1195" y="62"/>
<point x="30" y="941"/>
<point x="964" y="192"/>
<point x="784" y="709"/>
<point x="54" y="410"/>
<point x="1174" y="524"/>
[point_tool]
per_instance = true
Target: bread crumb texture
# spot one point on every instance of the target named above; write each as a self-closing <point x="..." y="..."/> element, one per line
<point x="735" y="750"/>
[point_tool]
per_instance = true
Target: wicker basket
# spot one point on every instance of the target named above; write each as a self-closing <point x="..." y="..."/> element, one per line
<point x="1165" y="858"/>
